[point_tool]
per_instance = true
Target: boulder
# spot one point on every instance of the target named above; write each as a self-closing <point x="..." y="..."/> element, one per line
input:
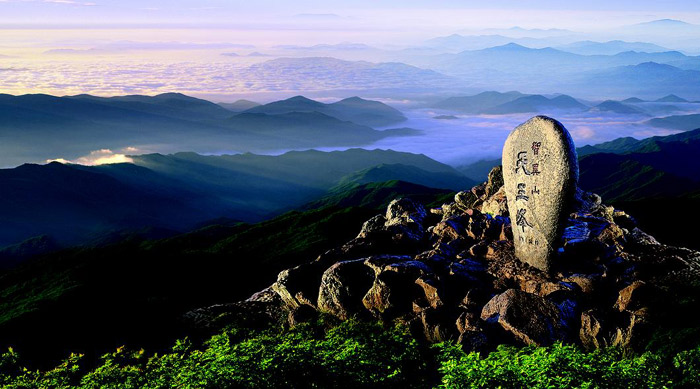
<point x="395" y="290"/>
<point x="439" y="325"/>
<point x="432" y="293"/>
<point x="405" y="211"/>
<point x="342" y="288"/>
<point x="494" y="182"/>
<point x="299" y="285"/>
<point x="496" y="205"/>
<point x="468" y="321"/>
<point x="531" y="319"/>
<point x="465" y="200"/>
<point x="593" y="334"/>
<point x="372" y="226"/>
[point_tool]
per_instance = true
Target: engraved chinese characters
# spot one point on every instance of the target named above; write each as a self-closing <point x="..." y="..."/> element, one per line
<point x="540" y="173"/>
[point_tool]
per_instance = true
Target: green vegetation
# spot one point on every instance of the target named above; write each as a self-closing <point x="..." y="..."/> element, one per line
<point x="134" y="292"/>
<point x="566" y="366"/>
<point x="351" y="355"/>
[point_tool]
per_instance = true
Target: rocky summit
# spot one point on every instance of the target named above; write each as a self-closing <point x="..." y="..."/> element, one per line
<point x="451" y="273"/>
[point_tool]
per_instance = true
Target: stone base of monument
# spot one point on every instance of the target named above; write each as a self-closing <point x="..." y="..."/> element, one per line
<point x="452" y="274"/>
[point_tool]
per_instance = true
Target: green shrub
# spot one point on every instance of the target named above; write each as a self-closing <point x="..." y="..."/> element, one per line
<point x="356" y="355"/>
<point x="558" y="366"/>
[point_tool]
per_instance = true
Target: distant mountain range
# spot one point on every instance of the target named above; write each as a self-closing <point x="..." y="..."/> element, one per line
<point x="457" y="42"/>
<point x="617" y="107"/>
<point x="478" y="103"/>
<point x="609" y="73"/>
<point x="629" y="170"/>
<point x="671" y="99"/>
<point x="645" y="79"/>
<point x="332" y="74"/>
<point x="353" y="109"/>
<point x="496" y="103"/>
<point x="610" y="47"/>
<point x="74" y="204"/>
<point x="239" y="105"/>
<point x="677" y="122"/>
<point x="41" y="127"/>
<point x="515" y="58"/>
<point x="537" y="103"/>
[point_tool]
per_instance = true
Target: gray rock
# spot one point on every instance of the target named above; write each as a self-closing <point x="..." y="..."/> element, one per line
<point x="402" y="211"/>
<point x="342" y="287"/>
<point x="540" y="173"/>
<point x="531" y="319"/>
<point x="299" y="285"/>
<point x="372" y="225"/>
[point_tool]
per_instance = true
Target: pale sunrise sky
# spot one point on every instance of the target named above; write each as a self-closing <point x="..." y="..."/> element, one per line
<point x="108" y="47"/>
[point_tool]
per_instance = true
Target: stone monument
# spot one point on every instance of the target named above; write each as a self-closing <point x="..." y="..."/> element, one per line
<point x="540" y="175"/>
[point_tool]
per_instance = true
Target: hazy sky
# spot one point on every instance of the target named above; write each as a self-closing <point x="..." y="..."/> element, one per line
<point x="255" y="14"/>
<point x="229" y="49"/>
<point x="102" y="46"/>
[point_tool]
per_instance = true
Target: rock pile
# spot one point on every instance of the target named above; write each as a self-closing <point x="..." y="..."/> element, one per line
<point x="452" y="273"/>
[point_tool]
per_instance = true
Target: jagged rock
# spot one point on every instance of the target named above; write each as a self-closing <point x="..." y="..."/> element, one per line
<point x="474" y="299"/>
<point x="634" y="296"/>
<point x="494" y="182"/>
<point x="431" y="292"/>
<point x="378" y="263"/>
<point x="438" y="325"/>
<point x="530" y="318"/>
<point x="267" y="295"/>
<point x="586" y="283"/>
<point x="479" y="191"/>
<point x="624" y="220"/>
<point x="394" y="289"/>
<point x="256" y="314"/>
<point x="619" y="329"/>
<point x="373" y="225"/>
<point x="468" y="321"/>
<point x="632" y="329"/>
<point x="449" y="229"/>
<point x="545" y="288"/>
<point x="465" y="200"/>
<point x="342" y="288"/>
<point x="405" y="212"/>
<point x="496" y="205"/>
<point x="639" y="237"/>
<point x="457" y="277"/>
<point x="592" y="333"/>
<point x="299" y="285"/>
<point x="400" y="231"/>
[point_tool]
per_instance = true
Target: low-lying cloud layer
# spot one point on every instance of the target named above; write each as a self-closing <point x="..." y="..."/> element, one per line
<point x="100" y="157"/>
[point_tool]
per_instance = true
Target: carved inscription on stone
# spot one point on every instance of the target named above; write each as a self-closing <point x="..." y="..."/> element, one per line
<point x="540" y="173"/>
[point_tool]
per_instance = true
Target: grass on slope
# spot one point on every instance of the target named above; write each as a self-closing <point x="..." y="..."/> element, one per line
<point x="134" y="292"/>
